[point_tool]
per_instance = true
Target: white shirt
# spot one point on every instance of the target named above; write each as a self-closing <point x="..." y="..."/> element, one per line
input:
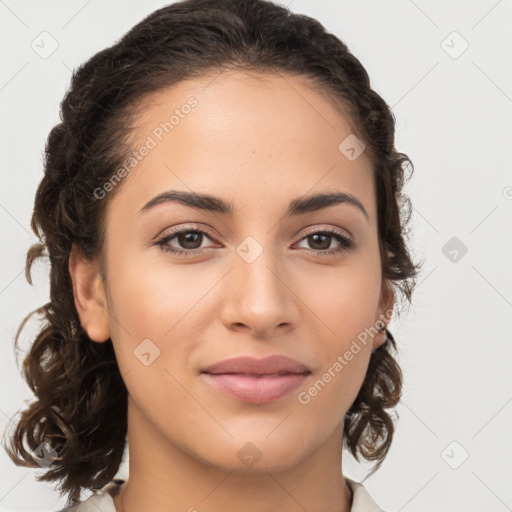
<point x="103" y="499"/>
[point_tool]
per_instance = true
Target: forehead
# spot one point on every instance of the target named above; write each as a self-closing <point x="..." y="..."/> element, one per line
<point x="244" y="137"/>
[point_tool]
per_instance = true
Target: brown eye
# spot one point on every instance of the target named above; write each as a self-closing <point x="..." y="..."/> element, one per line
<point x="320" y="242"/>
<point x="189" y="242"/>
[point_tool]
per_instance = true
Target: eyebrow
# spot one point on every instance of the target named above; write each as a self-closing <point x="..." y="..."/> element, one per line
<point x="299" y="206"/>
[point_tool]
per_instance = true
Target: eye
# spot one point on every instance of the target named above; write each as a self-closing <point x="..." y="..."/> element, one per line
<point x="322" y="240"/>
<point x="191" y="240"/>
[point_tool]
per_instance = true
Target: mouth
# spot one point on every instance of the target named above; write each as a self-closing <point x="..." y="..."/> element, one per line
<point x="256" y="389"/>
<point x="256" y="381"/>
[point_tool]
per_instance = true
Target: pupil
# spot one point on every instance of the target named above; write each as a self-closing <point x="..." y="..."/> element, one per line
<point x="325" y="245"/>
<point x="189" y="238"/>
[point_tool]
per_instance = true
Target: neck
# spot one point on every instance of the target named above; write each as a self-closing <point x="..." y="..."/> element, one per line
<point x="162" y="476"/>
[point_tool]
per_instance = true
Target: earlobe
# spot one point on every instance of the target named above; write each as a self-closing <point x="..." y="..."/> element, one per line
<point x="89" y="296"/>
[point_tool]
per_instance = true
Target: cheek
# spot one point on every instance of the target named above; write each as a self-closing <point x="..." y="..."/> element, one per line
<point x="335" y="386"/>
<point x="347" y="306"/>
<point x="346" y="301"/>
<point x="150" y="297"/>
<point x="156" y="309"/>
<point x="149" y="312"/>
<point x="347" y="313"/>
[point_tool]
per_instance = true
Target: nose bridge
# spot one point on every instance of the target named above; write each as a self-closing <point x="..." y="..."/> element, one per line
<point x="256" y="265"/>
<point x="259" y="296"/>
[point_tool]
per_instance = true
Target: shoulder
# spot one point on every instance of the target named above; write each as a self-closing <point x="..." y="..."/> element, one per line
<point x="361" y="499"/>
<point x="101" y="499"/>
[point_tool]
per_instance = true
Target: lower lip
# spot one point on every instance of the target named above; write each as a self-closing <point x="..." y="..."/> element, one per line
<point x="256" y="390"/>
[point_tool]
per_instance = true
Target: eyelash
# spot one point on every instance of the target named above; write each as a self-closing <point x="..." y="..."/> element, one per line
<point x="347" y="243"/>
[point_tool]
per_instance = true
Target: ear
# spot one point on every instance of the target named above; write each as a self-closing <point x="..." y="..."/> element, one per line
<point x="89" y="295"/>
<point x="387" y="301"/>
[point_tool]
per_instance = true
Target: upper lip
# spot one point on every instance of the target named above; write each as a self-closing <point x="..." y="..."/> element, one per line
<point x="252" y="366"/>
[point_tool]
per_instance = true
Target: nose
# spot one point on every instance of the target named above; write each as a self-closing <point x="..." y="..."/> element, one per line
<point x="259" y="297"/>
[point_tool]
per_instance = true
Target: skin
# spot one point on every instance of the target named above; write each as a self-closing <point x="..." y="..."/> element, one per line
<point x="259" y="145"/>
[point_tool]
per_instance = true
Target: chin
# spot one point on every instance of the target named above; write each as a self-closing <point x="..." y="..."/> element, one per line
<point x="255" y="454"/>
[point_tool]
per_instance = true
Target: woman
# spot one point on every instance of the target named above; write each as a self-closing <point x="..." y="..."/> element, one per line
<point x="221" y="211"/>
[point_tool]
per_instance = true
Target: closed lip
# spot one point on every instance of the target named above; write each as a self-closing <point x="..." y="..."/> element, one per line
<point x="276" y="364"/>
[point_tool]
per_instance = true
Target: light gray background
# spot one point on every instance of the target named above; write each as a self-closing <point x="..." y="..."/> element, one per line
<point x="453" y="119"/>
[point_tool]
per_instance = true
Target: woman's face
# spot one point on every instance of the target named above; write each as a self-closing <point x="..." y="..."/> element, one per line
<point x="256" y="282"/>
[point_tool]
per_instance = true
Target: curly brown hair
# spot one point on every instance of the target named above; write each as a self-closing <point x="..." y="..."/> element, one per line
<point x="81" y="405"/>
